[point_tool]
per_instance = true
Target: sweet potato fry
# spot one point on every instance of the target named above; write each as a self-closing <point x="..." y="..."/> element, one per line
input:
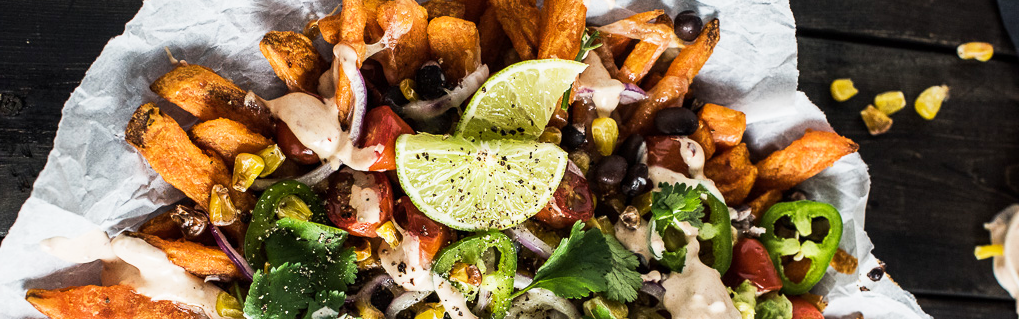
<point x="668" y="92"/>
<point x="692" y="58"/>
<point x="161" y="226"/>
<point x="455" y="43"/>
<point x="616" y="44"/>
<point x="118" y="301"/>
<point x="171" y="154"/>
<point x="199" y="260"/>
<point x="763" y="202"/>
<point x="294" y="59"/>
<point x="654" y="31"/>
<point x="348" y="26"/>
<point x="727" y="125"/>
<point x="733" y="173"/>
<point x="804" y="158"/>
<point x="405" y="23"/>
<point x="208" y="96"/>
<point x="561" y="27"/>
<point x="227" y="138"/>
<point x="703" y="137"/>
<point x="492" y="38"/>
<point x="445" y="8"/>
<point x="519" y="19"/>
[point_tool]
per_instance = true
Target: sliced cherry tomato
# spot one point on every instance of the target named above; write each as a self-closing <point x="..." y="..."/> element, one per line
<point x="383" y="127"/>
<point x="803" y="309"/>
<point x="431" y="236"/>
<point x="664" y="151"/>
<point x="750" y="261"/>
<point x="570" y="202"/>
<point x="359" y="202"/>
<point x="292" y="147"/>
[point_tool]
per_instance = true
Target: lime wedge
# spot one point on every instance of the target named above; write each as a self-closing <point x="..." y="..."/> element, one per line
<point x="478" y="185"/>
<point x="517" y="102"/>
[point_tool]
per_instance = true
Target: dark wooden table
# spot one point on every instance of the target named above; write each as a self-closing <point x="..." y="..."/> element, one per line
<point x="934" y="182"/>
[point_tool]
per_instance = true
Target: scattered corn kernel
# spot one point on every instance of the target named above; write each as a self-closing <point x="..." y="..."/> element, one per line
<point x="407" y="88"/>
<point x="643" y="203"/>
<point x="981" y="51"/>
<point x="988" y="251"/>
<point x="602" y="223"/>
<point x="432" y="311"/>
<point x="877" y="122"/>
<point x="293" y="207"/>
<point x="843" y="89"/>
<point x="221" y="208"/>
<point x="246" y="168"/>
<point x="890" y="102"/>
<point x="272" y="156"/>
<point x="362" y="248"/>
<point x="605" y="132"/>
<point x="365" y="309"/>
<point x="389" y="233"/>
<point x="228" y="306"/>
<point x="582" y="160"/>
<point x="466" y="273"/>
<point x="929" y="102"/>
<point x="551" y="135"/>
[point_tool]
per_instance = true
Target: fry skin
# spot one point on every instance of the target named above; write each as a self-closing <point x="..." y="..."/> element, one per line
<point x="668" y="92"/>
<point x="348" y="27"/>
<point x="294" y="59"/>
<point x="654" y="31"/>
<point x="519" y="19"/>
<point x="208" y="96"/>
<point x="197" y="259"/>
<point x="732" y="173"/>
<point x="692" y="58"/>
<point x="703" y="137"/>
<point x="445" y="8"/>
<point x="108" y="302"/>
<point x="227" y="138"/>
<point x="473" y="9"/>
<point x="760" y="204"/>
<point x="182" y="164"/>
<point x="456" y="44"/>
<point x="492" y="38"/>
<point x="804" y="158"/>
<point x="161" y="226"/>
<point x="727" y="125"/>
<point x="406" y="25"/>
<point x="561" y="28"/>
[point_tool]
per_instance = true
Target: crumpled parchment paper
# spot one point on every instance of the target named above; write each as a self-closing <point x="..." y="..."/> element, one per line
<point x="93" y="179"/>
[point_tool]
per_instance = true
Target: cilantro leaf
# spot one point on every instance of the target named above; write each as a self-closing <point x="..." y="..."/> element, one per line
<point x="281" y="291"/>
<point x="677" y="203"/>
<point x="326" y="305"/>
<point x="577" y="267"/>
<point x="623" y="280"/>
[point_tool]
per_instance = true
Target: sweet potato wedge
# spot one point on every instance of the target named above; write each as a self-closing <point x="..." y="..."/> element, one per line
<point x="668" y="92"/>
<point x="804" y="158"/>
<point x="208" y="96"/>
<point x="405" y="23"/>
<point x="110" y="302"/>
<point x="294" y="59"/>
<point x="227" y="138"/>
<point x="561" y="27"/>
<point x="161" y="226"/>
<point x="519" y="19"/>
<point x="761" y="203"/>
<point x="445" y="8"/>
<point x="653" y="30"/>
<point x="455" y="43"/>
<point x="492" y="38"/>
<point x="727" y="125"/>
<point x="692" y="58"/>
<point x="703" y="137"/>
<point x="732" y="173"/>
<point x="182" y="164"/>
<point x="197" y="259"/>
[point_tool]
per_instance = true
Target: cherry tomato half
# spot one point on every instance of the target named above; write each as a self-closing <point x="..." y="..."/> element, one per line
<point x="803" y="309"/>
<point x="664" y="151"/>
<point x="292" y="147"/>
<point x="570" y="202"/>
<point x="431" y="236"/>
<point x="383" y="127"/>
<point x="750" y="261"/>
<point x="359" y="202"/>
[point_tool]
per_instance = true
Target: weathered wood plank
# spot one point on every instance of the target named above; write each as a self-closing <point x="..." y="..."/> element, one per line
<point x="954" y="307"/>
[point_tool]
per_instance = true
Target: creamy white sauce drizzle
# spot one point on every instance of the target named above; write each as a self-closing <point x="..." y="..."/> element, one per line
<point x="133" y="262"/>
<point x="1004" y="231"/>
<point x="416" y="275"/>
<point x="364" y="198"/>
<point x="635" y="240"/>
<point x="604" y="88"/>
<point x="698" y="291"/>
<point x="693" y="156"/>
<point x="452" y="299"/>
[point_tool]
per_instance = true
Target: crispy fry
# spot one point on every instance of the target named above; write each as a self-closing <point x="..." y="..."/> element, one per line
<point x="727" y="125"/>
<point x="732" y="173"/>
<point x="703" y="137"/>
<point x="171" y="154"/>
<point x="692" y="58"/>
<point x="651" y="80"/>
<point x="473" y="9"/>
<point x="227" y="138"/>
<point x="161" y="226"/>
<point x="445" y="8"/>
<point x="561" y="27"/>
<point x="294" y="59"/>
<point x="654" y="30"/>
<point x="348" y="26"/>
<point x="372" y="27"/>
<point x="406" y="38"/>
<point x="668" y="93"/>
<point x="519" y="19"/>
<point x="763" y="202"/>
<point x="118" y="301"/>
<point x="199" y="260"/>
<point x="804" y="158"/>
<point x="208" y="96"/>
<point x="492" y="38"/>
<point x="616" y="44"/>
<point x="455" y="43"/>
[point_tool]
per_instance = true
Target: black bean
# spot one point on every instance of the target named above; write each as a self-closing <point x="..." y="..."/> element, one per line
<point x="632" y="148"/>
<point x="394" y="98"/>
<point x="643" y="266"/>
<point x="688" y="25"/>
<point x="676" y="121"/>
<point x="429" y="81"/>
<point x="636" y="181"/>
<point x="572" y="138"/>
<point x="611" y="170"/>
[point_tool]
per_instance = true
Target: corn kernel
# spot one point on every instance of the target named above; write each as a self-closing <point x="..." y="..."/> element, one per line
<point x="407" y="88"/>
<point x="988" y="251"/>
<point x="293" y="207"/>
<point x="643" y="203"/>
<point x="362" y="248"/>
<point x="929" y="102"/>
<point x="272" y="156"/>
<point x="466" y="273"/>
<point x="246" y="168"/>
<point x="890" y="102"/>
<point x="602" y="223"/>
<point x="432" y="311"/>
<point x="843" y="89"/>
<point x="605" y="132"/>
<point x="389" y="233"/>
<point x="221" y="208"/>
<point x="877" y="122"/>
<point x="551" y="135"/>
<point x="365" y="309"/>
<point x="228" y="306"/>
<point x="582" y="160"/>
<point x="981" y="51"/>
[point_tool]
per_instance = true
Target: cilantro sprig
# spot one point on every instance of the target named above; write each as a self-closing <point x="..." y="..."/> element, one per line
<point x="677" y="203"/>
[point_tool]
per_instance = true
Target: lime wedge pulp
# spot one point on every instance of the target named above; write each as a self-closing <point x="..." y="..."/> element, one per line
<point x="518" y="101"/>
<point x="478" y="185"/>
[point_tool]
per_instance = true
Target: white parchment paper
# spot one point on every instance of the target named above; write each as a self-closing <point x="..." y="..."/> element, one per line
<point x="93" y="179"/>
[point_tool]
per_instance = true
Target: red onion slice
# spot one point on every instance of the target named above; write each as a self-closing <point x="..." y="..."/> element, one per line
<point x="425" y="110"/>
<point x="235" y="257"/>
<point x="311" y="178"/>
<point x="654" y="289"/>
<point x="484" y="298"/>
<point x="530" y="241"/>
<point x="404" y="301"/>
<point x="631" y="93"/>
<point x="345" y="60"/>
